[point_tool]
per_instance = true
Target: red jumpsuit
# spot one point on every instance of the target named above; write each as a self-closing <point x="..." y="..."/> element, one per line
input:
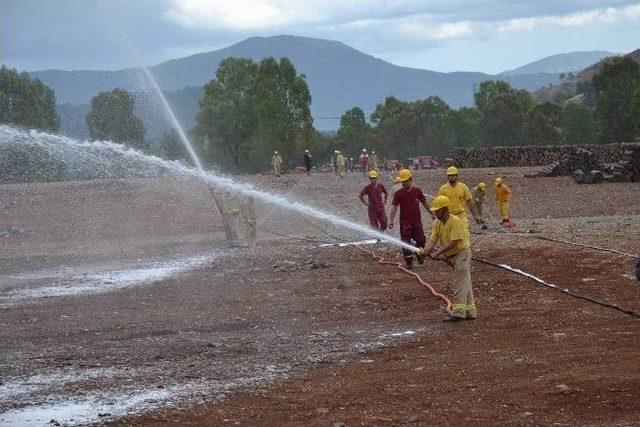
<point x="410" y="219"/>
<point x="377" y="215"/>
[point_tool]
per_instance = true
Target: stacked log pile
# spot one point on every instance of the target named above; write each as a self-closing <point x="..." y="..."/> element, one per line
<point x="577" y="160"/>
<point x="628" y="167"/>
<point x="530" y="155"/>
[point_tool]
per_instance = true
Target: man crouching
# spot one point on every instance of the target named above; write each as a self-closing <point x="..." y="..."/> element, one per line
<point x="454" y="241"/>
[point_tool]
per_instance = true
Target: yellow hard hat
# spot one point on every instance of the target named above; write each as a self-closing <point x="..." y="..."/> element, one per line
<point x="498" y="181"/>
<point x="452" y="170"/>
<point x="482" y="186"/>
<point x="404" y="175"/>
<point x="440" y="202"/>
<point x="373" y="174"/>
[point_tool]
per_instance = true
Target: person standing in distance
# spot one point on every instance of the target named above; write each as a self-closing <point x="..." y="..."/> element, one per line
<point x="308" y="162"/>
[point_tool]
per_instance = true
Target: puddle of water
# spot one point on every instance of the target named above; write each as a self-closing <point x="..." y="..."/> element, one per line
<point x="46" y="392"/>
<point x="90" y="409"/>
<point x="99" y="282"/>
<point x="79" y="410"/>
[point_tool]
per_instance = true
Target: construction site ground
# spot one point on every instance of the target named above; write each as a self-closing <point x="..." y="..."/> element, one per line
<point x="292" y="333"/>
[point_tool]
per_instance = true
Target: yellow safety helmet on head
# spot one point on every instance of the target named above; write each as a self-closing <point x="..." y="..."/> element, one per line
<point x="440" y="202"/>
<point x="373" y="174"/>
<point x="452" y="170"/>
<point x="498" y="181"/>
<point x="404" y="175"/>
<point x="482" y="186"/>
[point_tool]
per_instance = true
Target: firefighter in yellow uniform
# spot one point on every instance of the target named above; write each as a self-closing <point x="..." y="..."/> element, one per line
<point x="340" y="162"/>
<point x="276" y="162"/>
<point x="248" y="219"/>
<point x="373" y="161"/>
<point x="459" y="196"/>
<point x="502" y="194"/>
<point x="452" y="238"/>
<point x="479" y="193"/>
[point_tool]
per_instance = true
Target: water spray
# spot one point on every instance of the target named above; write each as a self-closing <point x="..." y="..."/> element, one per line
<point x="60" y="146"/>
<point x="214" y="179"/>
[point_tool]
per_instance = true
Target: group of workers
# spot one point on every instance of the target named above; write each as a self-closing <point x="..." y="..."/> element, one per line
<point x="366" y="162"/>
<point x="449" y="239"/>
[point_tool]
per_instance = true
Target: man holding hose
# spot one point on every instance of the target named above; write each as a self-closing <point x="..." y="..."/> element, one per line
<point x="452" y="235"/>
<point x="409" y="198"/>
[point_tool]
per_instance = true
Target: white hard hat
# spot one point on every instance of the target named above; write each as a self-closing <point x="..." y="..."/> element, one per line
<point x="364" y="150"/>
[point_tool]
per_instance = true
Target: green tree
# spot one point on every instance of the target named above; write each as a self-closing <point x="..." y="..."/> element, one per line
<point x="635" y="109"/>
<point x="111" y="118"/>
<point x="503" y="111"/>
<point x="577" y="125"/>
<point x="227" y="119"/>
<point x="615" y="84"/>
<point x="324" y="145"/>
<point x="171" y="147"/>
<point x="27" y="102"/>
<point x="406" y="129"/>
<point x="542" y="126"/>
<point x="283" y="104"/>
<point x="464" y="124"/>
<point x="353" y="130"/>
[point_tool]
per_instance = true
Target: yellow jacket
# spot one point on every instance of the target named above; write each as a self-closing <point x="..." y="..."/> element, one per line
<point x="502" y="193"/>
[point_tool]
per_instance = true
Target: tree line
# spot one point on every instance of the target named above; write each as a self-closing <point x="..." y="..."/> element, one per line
<point x="251" y="109"/>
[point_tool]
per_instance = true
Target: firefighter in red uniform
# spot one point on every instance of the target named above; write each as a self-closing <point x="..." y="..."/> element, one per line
<point x="374" y="192"/>
<point x="408" y="198"/>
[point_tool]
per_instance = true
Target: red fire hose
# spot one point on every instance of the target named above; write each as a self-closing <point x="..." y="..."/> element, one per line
<point x="419" y="279"/>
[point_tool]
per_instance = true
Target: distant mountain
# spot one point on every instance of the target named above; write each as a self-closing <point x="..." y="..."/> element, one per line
<point x="562" y="63"/>
<point x="573" y="86"/>
<point x="339" y="78"/>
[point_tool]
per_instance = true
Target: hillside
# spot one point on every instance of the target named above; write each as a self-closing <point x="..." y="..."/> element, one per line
<point x="561" y="63"/>
<point x="339" y="77"/>
<point x="569" y="88"/>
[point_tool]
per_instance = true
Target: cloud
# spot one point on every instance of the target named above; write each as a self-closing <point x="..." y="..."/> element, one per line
<point x="242" y="14"/>
<point x="426" y="19"/>
<point x="578" y="19"/>
<point x="435" y="31"/>
<point x="425" y="28"/>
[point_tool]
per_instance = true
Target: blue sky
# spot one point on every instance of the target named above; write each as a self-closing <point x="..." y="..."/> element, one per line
<point x="442" y="35"/>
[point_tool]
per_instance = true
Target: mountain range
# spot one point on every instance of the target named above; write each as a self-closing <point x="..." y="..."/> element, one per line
<point x="562" y="63"/>
<point x="339" y="77"/>
<point x="571" y="87"/>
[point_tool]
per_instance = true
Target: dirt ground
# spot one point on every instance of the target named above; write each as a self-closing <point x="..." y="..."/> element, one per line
<point x="290" y="333"/>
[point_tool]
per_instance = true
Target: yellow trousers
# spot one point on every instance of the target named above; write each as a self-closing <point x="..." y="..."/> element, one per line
<point x="503" y="208"/>
<point x="464" y="305"/>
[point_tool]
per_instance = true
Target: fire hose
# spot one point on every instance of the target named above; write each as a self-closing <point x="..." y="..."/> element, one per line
<point x="419" y="279"/>
<point x="399" y="266"/>
<point x="565" y="291"/>
<point x="436" y="294"/>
